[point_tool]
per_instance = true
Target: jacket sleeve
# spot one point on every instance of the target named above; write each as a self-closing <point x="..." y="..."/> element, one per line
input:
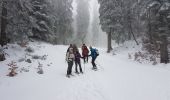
<point x="88" y="50"/>
<point x="79" y="55"/>
<point x="67" y="55"/>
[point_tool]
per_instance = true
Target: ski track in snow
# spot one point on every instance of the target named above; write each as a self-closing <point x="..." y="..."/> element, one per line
<point x="116" y="79"/>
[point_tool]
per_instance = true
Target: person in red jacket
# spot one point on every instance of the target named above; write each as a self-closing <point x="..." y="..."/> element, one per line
<point x="85" y="53"/>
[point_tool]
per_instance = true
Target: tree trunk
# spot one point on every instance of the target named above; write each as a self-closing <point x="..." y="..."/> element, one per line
<point x="3" y="39"/>
<point x="149" y="28"/>
<point x="131" y="31"/>
<point x="2" y="56"/>
<point x="109" y="38"/>
<point x="164" y="50"/>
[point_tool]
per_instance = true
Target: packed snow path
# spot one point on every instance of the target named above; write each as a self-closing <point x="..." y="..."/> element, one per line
<point x="116" y="79"/>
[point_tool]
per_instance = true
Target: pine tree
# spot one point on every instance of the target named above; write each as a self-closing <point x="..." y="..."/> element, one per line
<point x="19" y="23"/>
<point x="156" y="40"/>
<point x="41" y="20"/>
<point x="107" y="19"/>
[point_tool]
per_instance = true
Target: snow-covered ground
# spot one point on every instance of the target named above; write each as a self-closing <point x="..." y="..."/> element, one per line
<point x="118" y="77"/>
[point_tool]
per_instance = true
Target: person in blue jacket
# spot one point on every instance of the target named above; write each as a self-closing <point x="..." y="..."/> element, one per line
<point x="94" y="54"/>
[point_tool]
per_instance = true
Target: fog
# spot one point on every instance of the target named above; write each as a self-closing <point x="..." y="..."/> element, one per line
<point x="94" y="35"/>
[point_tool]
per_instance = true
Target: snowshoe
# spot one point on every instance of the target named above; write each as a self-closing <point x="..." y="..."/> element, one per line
<point x="71" y="74"/>
<point x="81" y="72"/>
<point x="94" y="68"/>
<point x="68" y="76"/>
<point x="77" y="72"/>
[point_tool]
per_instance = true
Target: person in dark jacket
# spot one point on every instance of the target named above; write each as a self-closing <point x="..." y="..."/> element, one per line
<point x="78" y="62"/>
<point x="75" y="48"/>
<point x="94" y="56"/>
<point x="85" y="53"/>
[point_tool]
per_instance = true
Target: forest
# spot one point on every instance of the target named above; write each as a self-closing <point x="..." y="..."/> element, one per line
<point x="147" y="22"/>
<point x="84" y="49"/>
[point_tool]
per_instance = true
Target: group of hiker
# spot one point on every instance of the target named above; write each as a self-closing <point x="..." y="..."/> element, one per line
<point x="73" y="56"/>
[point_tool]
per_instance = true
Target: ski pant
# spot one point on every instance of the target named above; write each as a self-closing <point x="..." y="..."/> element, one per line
<point x="69" y="69"/>
<point x="78" y="64"/>
<point x="85" y="58"/>
<point x="93" y="62"/>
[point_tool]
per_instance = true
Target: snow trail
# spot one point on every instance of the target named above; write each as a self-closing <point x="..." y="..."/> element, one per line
<point x="116" y="79"/>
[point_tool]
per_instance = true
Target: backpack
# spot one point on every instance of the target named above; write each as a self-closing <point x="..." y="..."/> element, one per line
<point x="97" y="52"/>
<point x="69" y="56"/>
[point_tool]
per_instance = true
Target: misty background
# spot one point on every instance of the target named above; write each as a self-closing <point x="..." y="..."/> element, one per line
<point x="86" y="23"/>
<point x="93" y="22"/>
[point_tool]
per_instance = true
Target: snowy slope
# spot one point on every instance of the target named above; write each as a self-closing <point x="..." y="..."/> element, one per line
<point x="118" y="78"/>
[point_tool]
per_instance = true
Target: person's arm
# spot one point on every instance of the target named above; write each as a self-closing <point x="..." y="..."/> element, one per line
<point x="90" y="54"/>
<point x="68" y="49"/>
<point x="67" y="55"/>
<point x="82" y="48"/>
<point x="81" y="56"/>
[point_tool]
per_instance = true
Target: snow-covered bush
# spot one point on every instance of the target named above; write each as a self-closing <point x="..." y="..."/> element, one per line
<point x="142" y="57"/>
<point x="23" y="43"/>
<point x="2" y="54"/>
<point x="23" y="69"/>
<point x="39" y="69"/>
<point x="13" y="67"/>
<point x="29" y="50"/>
<point x="44" y="57"/>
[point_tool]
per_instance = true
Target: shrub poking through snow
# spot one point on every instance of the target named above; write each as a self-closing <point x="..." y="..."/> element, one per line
<point x="40" y="70"/>
<point x="23" y="43"/>
<point x="29" y="50"/>
<point x="13" y="67"/>
<point x="2" y="54"/>
<point x="21" y="59"/>
<point x="36" y="57"/>
<point x="44" y="57"/>
<point x="130" y="56"/>
<point x="2" y="57"/>
<point x="24" y="70"/>
<point x="143" y="56"/>
<point x="28" y="61"/>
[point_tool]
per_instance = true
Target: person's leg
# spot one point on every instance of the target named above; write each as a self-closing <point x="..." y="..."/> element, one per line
<point x="76" y="67"/>
<point x="71" y="66"/>
<point x="84" y="58"/>
<point x="95" y="63"/>
<point x="68" y="69"/>
<point x="80" y="67"/>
